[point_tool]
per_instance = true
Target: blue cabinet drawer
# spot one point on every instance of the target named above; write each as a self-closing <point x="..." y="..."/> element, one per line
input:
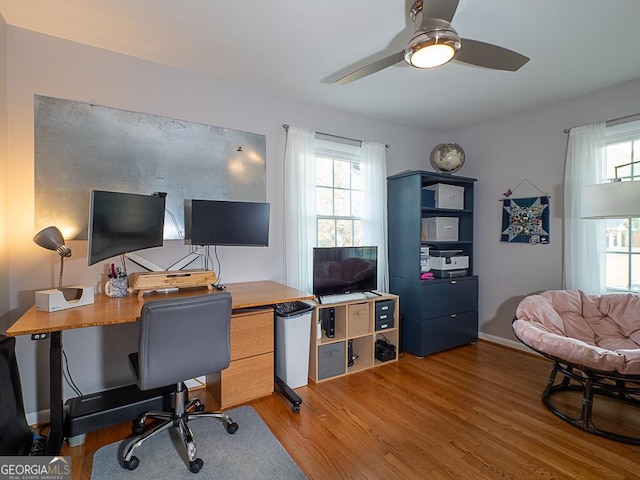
<point x="449" y="297"/>
<point x="443" y="333"/>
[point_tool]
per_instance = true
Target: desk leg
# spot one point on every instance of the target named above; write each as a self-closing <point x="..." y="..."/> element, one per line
<point x="55" y="437"/>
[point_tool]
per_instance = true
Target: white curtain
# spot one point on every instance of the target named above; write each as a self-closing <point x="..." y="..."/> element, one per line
<point x="584" y="239"/>
<point x="373" y="160"/>
<point x="299" y="207"/>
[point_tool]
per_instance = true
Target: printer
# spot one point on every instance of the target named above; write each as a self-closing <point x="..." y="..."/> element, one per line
<point x="448" y="263"/>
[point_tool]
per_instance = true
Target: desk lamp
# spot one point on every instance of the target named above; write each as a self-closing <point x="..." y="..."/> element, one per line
<point x="51" y="239"/>
<point x="60" y="298"/>
<point x="617" y="199"/>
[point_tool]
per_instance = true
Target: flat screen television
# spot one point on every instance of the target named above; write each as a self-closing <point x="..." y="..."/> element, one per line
<point x="219" y="222"/>
<point x="339" y="270"/>
<point x="121" y="223"/>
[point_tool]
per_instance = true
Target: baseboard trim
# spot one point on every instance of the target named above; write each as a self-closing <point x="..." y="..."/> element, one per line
<point x="40" y="417"/>
<point x="505" y="342"/>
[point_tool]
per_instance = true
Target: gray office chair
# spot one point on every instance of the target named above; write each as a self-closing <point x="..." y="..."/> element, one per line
<point x="180" y="338"/>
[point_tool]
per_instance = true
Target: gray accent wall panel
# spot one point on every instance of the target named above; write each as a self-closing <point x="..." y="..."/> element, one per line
<point x="80" y="147"/>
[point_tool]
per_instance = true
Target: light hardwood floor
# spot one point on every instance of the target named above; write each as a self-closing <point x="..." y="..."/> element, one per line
<point x="469" y="413"/>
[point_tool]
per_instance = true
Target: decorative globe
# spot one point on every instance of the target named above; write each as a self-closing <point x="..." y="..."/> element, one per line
<point x="447" y="157"/>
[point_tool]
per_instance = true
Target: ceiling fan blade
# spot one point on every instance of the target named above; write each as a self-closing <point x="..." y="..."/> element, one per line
<point x="441" y="9"/>
<point x="372" y="68"/>
<point x="489" y="56"/>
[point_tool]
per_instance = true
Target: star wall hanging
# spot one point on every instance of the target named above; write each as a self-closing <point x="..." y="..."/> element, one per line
<point x="525" y="220"/>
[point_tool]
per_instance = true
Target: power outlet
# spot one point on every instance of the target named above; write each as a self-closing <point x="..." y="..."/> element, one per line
<point x="40" y="336"/>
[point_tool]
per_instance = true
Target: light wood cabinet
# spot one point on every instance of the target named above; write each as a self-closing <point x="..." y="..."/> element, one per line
<point x="358" y="325"/>
<point x="250" y="374"/>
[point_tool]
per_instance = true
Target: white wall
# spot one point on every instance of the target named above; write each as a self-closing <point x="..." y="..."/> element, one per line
<point x="528" y="146"/>
<point x="38" y="64"/>
<point x="4" y="171"/>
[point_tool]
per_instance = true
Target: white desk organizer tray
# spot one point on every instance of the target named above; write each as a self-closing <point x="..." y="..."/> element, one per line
<point x="68" y="297"/>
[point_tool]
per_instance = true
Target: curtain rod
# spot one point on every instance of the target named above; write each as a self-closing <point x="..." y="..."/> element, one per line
<point x="286" y="127"/>
<point x="616" y="121"/>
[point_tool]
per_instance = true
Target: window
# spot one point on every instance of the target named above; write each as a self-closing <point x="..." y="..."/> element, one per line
<point x="339" y="195"/>
<point x="622" y="268"/>
<point x="352" y="197"/>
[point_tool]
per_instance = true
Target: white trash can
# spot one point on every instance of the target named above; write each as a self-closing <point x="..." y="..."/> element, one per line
<point x="293" y="336"/>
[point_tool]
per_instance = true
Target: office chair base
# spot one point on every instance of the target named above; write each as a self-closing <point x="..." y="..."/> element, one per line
<point x="179" y="421"/>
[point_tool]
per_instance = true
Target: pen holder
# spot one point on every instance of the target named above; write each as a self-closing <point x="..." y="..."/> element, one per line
<point x="116" y="287"/>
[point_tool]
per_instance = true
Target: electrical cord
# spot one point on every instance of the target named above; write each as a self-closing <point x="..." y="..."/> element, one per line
<point x="67" y="376"/>
<point x="39" y="443"/>
<point x="208" y="257"/>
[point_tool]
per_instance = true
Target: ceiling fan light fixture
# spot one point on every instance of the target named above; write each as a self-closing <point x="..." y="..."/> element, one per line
<point x="429" y="49"/>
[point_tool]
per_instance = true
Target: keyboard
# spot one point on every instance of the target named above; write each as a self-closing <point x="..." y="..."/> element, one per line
<point x="343" y="297"/>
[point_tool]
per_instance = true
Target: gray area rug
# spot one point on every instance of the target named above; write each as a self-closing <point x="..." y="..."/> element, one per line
<point x="251" y="452"/>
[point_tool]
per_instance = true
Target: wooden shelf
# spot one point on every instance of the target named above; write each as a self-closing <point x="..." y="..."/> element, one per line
<point x="355" y="324"/>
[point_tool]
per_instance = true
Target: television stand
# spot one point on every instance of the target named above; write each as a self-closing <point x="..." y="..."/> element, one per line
<point x="154" y="281"/>
<point x="365" y="334"/>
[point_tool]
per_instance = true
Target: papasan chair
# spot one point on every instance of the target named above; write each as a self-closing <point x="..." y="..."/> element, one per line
<point x="594" y="343"/>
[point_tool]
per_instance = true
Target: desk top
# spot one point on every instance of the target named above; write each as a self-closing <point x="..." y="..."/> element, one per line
<point x="111" y="311"/>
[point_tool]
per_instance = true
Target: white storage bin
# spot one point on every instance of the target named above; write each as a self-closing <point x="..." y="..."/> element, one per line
<point x="448" y="196"/>
<point x="440" y="229"/>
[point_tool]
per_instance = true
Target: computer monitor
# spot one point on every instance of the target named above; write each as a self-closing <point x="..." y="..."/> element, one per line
<point x="121" y="223"/>
<point x="218" y="222"/>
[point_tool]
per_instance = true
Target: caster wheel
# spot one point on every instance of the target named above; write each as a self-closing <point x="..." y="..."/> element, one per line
<point x="231" y="427"/>
<point x="296" y="409"/>
<point x="196" y="465"/>
<point x="132" y="464"/>
<point x="138" y="429"/>
<point x="200" y="408"/>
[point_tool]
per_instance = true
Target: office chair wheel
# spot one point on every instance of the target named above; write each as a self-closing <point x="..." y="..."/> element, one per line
<point x="132" y="464"/>
<point x="231" y="427"/>
<point x="195" y="466"/>
<point x="295" y="408"/>
<point x="200" y="408"/>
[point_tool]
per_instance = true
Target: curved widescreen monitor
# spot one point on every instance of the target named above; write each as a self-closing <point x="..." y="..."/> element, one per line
<point x="120" y="223"/>
<point x="218" y="222"/>
<point x="338" y="270"/>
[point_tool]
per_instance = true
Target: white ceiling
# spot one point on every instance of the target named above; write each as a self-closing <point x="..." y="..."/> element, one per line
<point x="295" y="47"/>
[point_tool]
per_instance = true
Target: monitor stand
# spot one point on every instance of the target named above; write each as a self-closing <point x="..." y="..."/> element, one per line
<point x="153" y="281"/>
<point x="152" y="267"/>
<point x="158" y="278"/>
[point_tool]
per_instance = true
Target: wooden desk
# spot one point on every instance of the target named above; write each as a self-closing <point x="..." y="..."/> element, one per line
<point x="113" y="311"/>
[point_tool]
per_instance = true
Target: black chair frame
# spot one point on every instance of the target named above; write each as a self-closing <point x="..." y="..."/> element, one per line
<point x="591" y="383"/>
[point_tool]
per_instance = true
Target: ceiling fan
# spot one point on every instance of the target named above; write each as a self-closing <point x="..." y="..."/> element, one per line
<point x="435" y="42"/>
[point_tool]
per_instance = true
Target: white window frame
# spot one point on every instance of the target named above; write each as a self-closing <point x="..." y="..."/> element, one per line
<point x="338" y="151"/>
<point x="616" y="135"/>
